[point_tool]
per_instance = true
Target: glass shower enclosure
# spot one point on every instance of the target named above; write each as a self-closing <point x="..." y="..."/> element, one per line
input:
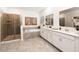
<point x="9" y="27"/>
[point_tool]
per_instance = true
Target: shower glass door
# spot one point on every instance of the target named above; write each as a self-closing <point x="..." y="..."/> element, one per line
<point x="17" y="27"/>
<point x="10" y="27"/>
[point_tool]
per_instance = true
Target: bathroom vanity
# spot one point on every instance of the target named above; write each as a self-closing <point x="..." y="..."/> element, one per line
<point x="64" y="40"/>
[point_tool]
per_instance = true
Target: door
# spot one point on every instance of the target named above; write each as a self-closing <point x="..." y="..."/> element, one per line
<point x="3" y="26"/>
<point x="7" y="27"/>
<point x="10" y="27"/>
<point x="17" y="26"/>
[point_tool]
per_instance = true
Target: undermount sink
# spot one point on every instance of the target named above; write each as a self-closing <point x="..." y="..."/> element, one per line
<point x="55" y="28"/>
<point x="71" y="32"/>
<point x="66" y="30"/>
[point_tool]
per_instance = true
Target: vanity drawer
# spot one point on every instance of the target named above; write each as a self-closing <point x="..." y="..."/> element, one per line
<point x="66" y="36"/>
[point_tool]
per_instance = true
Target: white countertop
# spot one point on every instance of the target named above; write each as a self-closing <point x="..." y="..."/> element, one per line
<point x="64" y="32"/>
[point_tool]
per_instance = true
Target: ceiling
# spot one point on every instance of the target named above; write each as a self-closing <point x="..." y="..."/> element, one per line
<point x="36" y="9"/>
<point x="70" y="10"/>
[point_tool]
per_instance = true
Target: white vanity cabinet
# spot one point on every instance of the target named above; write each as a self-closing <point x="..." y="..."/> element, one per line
<point x="46" y="34"/>
<point x="64" y="42"/>
<point x="42" y="32"/>
<point x="56" y="40"/>
<point x="50" y="36"/>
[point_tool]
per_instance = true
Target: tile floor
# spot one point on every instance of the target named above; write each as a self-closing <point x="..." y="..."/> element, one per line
<point x="34" y="44"/>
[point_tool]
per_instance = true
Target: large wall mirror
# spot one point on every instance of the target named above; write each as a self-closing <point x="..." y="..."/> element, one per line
<point x="49" y="19"/>
<point x="42" y="20"/>
<point x="69" y="17"/>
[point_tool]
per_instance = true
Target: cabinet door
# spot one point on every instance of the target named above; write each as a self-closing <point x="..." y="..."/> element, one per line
<point x="50" y="36"/>
<point x="77" y="44"/>
<point x="66" y="44"/>
<point x="46" y="34"/>
<point x="42" y="32"/>
<point x="56" y="40"/>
